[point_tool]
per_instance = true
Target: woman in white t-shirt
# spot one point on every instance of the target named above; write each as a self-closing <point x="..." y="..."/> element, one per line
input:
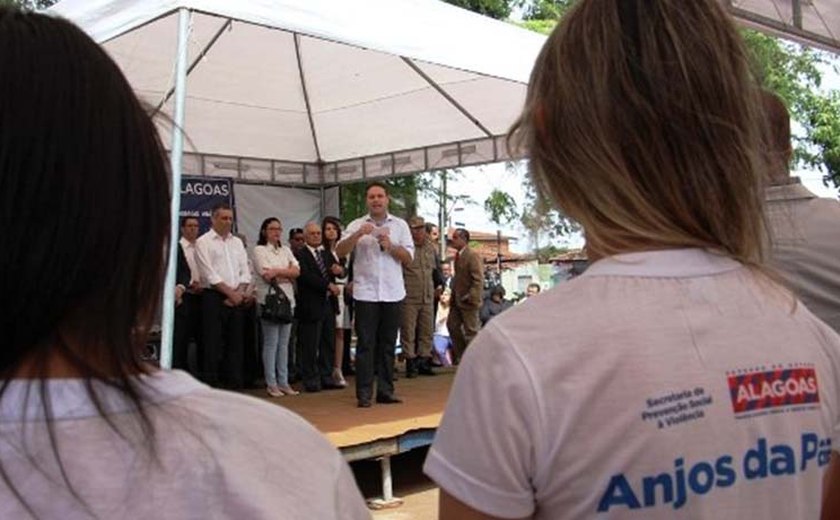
<point x="88" y="429"/>
<point x="674" y="378"/>
<point x="275" y="264"/>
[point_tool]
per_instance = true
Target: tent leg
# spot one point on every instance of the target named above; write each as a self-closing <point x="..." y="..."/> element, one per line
<point x="388" y="500"/>
<point x="168" y="311"/>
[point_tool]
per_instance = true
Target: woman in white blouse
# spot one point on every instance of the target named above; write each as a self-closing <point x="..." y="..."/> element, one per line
<point x="275" y="263"/>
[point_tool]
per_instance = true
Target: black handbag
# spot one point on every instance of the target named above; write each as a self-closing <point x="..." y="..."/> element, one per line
<point x="277" y="308"/>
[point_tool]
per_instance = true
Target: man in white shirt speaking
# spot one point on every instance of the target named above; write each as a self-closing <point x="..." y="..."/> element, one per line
<point x="381" y="244"/>
<point x="223" y="266"/>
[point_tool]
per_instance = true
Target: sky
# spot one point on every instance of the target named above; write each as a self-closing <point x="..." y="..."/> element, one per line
<point x="479" y="181"/>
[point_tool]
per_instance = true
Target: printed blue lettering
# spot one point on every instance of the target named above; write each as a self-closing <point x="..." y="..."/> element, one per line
<point x="760" y="460"/>
<point x="699" y="485"/>
<point x="619" y="493"/>
<point x="723" y="468"/>
<point x="680" y="477"/>
<point x="650" y="483"/>
<point x="755" y="462"/>
<point x="810" y="443"/>
<point x="783" y="461"/>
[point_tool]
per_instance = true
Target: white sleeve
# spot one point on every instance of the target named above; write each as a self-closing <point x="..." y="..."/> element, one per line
<point x="261" y="260"/>
<point x="484" y="450"/>
<point x="351" y="228"/>
<point x="205" y="266"/>
<point x="244" y="268"/>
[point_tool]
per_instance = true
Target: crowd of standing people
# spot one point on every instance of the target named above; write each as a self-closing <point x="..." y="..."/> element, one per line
<point x="382" y="277"/>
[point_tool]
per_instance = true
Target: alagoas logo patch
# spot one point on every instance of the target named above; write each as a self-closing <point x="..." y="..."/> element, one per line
<point x="762" y="390"/>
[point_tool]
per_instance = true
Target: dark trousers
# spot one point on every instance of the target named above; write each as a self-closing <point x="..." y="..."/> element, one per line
<point x="346" y="362"/>
<point x="187" y="327"/>
<point x="294" y="354"/>
<point x="251" y="346"/>
<point x="221" y="340"/>
<point x="377" y="324"/>
<point x="317" y="351"/>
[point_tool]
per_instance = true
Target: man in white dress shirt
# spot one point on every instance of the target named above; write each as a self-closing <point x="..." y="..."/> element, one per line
<point x="382" y="245"/>
<point x="223" y="267"/>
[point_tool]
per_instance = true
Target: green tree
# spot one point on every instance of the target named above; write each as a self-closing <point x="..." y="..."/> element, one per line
<point x="543" y="220"/>
<point x="790" y="70"/>
<point x="793" y="72"/>
<point x="500" y="206"/>
<point x="402" y="193"/>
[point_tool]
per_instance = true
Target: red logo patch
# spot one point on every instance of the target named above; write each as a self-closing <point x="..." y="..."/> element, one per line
<point x="763" y="390"/>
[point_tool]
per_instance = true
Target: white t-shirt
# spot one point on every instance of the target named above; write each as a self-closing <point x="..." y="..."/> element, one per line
<point x="270" y="257"/>
<point x="377" y="275"/>
<point x="670" y="384"/>
<point x="219" y="455"/>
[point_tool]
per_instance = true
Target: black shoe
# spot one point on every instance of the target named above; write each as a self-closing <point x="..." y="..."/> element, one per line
<point x="363" y="403"/>
<point x="411" y="368"/>
<point x="311" y="389"/>
<point x="425" y="368"/>
<point x="388" y="399"/>
<point x="330" y="385"/>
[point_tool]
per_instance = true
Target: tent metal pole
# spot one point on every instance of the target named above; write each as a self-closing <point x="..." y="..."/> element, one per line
<point x="176" y="159"/>
<point x="306" y="100"/>
<point x="449" y="98"/>
<point x="197" y="60"/>
<point x="796" y="6"/>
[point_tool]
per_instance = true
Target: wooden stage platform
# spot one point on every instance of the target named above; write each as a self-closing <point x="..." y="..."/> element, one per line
<point x="380" y="431"/>
<point x="335" y="414"/>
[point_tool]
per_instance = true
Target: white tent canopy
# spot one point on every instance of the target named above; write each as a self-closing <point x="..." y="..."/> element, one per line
<point x="811" y="22"/>
<point x="319" y="91"/>
<point x="329" y="91"/>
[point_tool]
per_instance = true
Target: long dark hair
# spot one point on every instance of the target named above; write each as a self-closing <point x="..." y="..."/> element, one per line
<point x="85" y="197"/>
<point x="329" y="244"/>
<point x="262" y="240"/>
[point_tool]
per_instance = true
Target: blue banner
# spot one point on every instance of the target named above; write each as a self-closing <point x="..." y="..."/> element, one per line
<point x="200" y="194"/>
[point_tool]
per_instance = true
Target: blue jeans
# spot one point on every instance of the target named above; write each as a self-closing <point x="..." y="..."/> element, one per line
<point x="275" y="353"/>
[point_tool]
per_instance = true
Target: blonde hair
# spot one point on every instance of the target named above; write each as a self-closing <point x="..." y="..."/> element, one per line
<point x="641" y="124"/>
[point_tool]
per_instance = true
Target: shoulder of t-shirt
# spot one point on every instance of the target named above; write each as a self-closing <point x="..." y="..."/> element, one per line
<point x="243" y="411"/>
<point x="826" y="335"/>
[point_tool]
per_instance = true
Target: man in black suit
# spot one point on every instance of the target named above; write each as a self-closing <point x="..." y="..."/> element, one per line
<point x="188" y="297"/>
<point x="315" y="311"/>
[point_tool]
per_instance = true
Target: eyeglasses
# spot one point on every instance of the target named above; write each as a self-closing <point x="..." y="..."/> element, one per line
<point x="274" y="228"/>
